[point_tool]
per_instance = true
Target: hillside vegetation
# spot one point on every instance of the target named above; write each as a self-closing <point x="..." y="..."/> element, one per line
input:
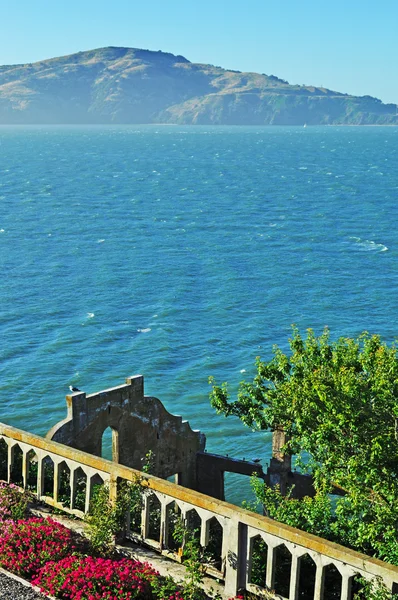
<point x="128" y="85"/>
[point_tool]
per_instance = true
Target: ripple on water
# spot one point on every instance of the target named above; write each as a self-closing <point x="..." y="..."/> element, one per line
<point x="197" y="257"/>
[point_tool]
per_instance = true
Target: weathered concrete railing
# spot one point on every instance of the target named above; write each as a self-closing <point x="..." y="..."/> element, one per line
<point x="286" y="559"/>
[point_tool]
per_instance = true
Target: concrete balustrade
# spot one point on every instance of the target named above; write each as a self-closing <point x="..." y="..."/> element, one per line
<point x="239" y="533"/>
<point x="42" y="458"/>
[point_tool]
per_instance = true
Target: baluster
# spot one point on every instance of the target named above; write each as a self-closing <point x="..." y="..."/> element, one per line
<point x="113" y="489"/>
<point x="319" y="582"/>
<point x="235" y="550"/>
<point x="269" y="581"/>
<point x="56" y="481"/>
<point x="204" y="532"/>
<point x="89" y="492"/>
<point x="128" y="520"/>
<point x="89" y="484"/>
<point x="40" y="478"/>
<point x="10" y="459"/>
<point x="145" y="516"/>
<point x="25" y="467"/>
<point x="249" y="562"/>
<point x="294" y="577"/>
<point x="164" y="525"/>
<point x="226" y="544"/>
<point x="346" y="587"/>
<point x="73" y="483"/>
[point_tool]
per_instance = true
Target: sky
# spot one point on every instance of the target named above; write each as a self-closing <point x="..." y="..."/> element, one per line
<point x="350" y="46"/>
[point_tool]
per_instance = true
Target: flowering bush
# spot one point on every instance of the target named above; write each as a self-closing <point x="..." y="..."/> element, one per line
<point x="88" y="578"/>
<point x="45" y="552"/>
<point x="13" y="502"/>
<point x="25" y="546"/>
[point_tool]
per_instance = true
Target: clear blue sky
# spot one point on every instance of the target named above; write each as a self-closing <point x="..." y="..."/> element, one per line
<point x="346" y="45"/>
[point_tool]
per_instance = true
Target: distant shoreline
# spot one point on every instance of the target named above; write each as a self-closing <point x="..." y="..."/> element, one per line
<point x="117" y="85"/>
<point x="192" y="125"/>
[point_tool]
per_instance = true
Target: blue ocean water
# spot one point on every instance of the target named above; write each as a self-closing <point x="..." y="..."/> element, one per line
<point x="181" y="253"/>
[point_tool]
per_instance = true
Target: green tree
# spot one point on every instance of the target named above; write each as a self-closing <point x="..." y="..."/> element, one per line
<point x="338" y="404"/>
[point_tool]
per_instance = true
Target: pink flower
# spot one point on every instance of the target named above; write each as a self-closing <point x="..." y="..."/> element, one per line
<point x="72" y="578"/>
<point x="25" y="546"/>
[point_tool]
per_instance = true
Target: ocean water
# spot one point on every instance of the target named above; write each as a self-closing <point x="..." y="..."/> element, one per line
<point x="180" y="253"/>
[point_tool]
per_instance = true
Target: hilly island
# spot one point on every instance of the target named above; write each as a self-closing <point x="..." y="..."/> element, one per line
<point x="129" y="85"/>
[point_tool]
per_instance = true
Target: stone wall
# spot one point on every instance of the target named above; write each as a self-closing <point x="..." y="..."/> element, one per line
<point x="139" y="424"/>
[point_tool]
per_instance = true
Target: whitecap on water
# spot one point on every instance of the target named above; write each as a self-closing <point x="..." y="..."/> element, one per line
<point x="368" y="245"/>
<point x="145" y="330"/>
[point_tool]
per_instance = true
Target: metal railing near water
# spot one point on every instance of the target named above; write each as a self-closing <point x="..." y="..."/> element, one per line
<point x="251" y="552"/>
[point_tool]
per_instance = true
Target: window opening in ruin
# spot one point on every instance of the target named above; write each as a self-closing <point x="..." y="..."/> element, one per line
<point x="176" y="478"/>
<point x="236" y="487"/>
<point x="110" y="444"/>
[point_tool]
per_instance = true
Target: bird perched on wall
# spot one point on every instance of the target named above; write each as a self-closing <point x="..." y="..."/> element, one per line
<point x="74" y="389"/>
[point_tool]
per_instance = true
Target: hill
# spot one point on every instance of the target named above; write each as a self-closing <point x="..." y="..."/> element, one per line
<point x="128" y="85"/>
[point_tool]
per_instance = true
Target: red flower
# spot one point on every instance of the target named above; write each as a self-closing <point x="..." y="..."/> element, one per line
<point x="72" y="577"/>
<point x="25" y="546"/>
